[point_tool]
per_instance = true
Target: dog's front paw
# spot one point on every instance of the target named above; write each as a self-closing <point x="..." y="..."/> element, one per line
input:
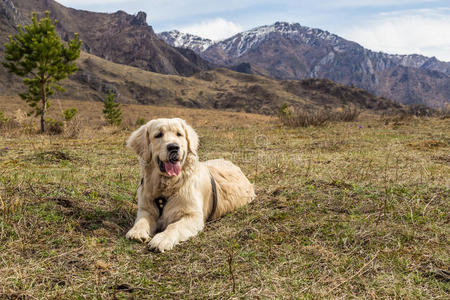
<point x="138" y="234"/>
<point x="162" y="242"/>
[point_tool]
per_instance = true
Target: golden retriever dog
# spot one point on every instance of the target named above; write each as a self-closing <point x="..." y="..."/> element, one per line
<point x="178" y="193"/>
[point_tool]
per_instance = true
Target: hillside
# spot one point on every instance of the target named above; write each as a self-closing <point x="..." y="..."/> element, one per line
<point x="292" y="51"/>
<point x="336" y="214"/>
<point x="220" y="89"/>
<point x="118" y="37"/>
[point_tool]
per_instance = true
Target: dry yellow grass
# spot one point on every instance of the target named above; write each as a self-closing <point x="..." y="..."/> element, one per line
<point x="349" y="210"/>
<point x="90" y="113"/>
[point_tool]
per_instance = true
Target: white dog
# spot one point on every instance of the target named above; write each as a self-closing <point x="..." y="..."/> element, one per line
<point x="178" y="193"/>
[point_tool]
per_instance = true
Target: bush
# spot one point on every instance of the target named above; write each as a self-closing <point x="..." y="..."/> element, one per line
<point x="304" y="118"/>
<point x="444" y="113"/>
<point x="21" y="120"/>
<point x="111" y="109"/>
<point x="411" y="112"/>
<point x="54" y="127"/>
<point x="3" y="119"/>
<point x="69" y="114"/>
<point x="72" y="129"/>
<point x="347" y="115"/>
<point x="140" y="121"/>
<point x="420" y="110"/>
<point x="320" y="117"/>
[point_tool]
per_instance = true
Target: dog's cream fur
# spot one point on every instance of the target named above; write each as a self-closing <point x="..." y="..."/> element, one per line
<point x="189" y="194"/>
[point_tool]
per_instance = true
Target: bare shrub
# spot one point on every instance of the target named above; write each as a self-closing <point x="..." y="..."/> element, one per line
<point x="72" y="128"/>
<point x="320" y="117"/>
<point x="414" y="112"/>
<point x="21" y="117"/>
<point x="420" y="110"/>
<point x="7" y="124"/>
<point x="349" y="114"/>
<point x="21" y="121"/>
<point x="127" y="123"/>
<point x="304" y="118"/>
<point x="444" y="112"/>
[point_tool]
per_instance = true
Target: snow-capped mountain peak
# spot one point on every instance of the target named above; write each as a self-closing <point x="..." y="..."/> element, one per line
<point x="176" y="38"/>
<point x="240" y="43"/>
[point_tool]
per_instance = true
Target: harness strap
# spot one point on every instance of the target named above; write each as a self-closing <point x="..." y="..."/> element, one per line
<point x="214" y="191"/>
<point x="160" y="202"/>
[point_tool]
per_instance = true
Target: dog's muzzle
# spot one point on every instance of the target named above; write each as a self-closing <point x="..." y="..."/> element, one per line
<point x="172" y="163"/>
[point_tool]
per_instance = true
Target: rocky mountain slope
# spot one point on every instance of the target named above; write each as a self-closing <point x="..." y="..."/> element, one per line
<point x="220" y="88"/>
<point x="291" y="51"/>
<point x="118" y="37"/>
<point x="9" y="18"/>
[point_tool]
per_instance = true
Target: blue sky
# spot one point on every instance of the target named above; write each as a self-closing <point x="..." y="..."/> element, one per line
<point x="401" y="26"/>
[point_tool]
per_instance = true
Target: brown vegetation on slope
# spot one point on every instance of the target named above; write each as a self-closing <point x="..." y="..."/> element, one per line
<point x="220" y="89"/>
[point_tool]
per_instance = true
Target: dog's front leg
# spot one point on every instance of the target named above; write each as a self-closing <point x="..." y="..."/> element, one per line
<point x="144" y="226"/>
<point x="181" y="230"/>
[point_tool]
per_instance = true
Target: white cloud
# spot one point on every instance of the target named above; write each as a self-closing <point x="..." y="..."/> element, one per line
<point x="424" y="32"/>
<point x="214" y="29"/>
<point x="378" y="3"/>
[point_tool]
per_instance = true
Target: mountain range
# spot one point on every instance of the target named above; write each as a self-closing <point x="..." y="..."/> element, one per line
<point x="292" y="51"/>
<point x="122" y="53"/>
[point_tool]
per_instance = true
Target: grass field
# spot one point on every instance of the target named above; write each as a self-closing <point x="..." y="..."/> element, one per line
<point x="349" y="210"/>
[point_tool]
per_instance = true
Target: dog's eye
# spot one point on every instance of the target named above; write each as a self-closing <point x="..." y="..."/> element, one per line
<point x="179" y="134"/>
<point x="159" y="135"/>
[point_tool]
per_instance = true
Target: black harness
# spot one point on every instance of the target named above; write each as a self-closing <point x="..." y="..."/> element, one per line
<point x="214" y="204"/>
<point x="161" y="202"/>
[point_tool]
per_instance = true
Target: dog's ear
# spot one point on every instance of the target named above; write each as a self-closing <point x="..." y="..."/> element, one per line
<point x="139" y="141"/>
<point x="191" y="137"/>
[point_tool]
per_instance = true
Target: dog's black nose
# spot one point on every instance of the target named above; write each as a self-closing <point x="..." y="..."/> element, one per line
<point x="173" y="147"/>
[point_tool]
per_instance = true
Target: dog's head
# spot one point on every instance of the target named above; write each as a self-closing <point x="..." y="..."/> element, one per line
<point x="170" y="144"/>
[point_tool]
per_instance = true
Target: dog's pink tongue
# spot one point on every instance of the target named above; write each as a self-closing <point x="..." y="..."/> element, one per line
<point x="173" y="169"/>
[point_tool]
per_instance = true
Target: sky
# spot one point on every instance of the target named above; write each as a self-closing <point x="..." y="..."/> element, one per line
<point x="391" y="26"/>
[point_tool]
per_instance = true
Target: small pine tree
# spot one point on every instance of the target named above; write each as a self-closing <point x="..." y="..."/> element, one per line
<point x="140" y="121"/>
<point x="69" y="114"/>
<point x="37" y="54"/>
<point x="111" y="109"/>
<point x="3" y="119"/>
